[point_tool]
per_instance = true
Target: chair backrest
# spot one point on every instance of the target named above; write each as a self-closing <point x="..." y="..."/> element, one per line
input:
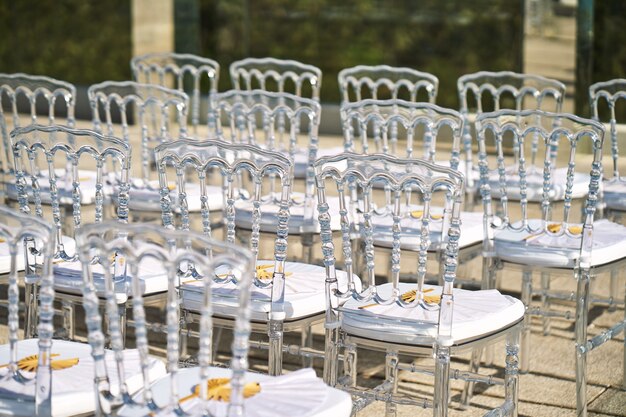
<point x="26" y="237"/>
<point x="504" y="90"/>
<point x="396" y="127"/>
<point x="40" y="95"/>
<point x="160" y="115"/>
<point x="49" y="157"/>
<point x="409" y="180"/>
<point x="184" y="72"/>
<point x="554" y="131"/>
<point x="279" y="122"/>
<point x="244" y="170"/>
<point x="611" y="92"/>
<point x="280" y="75"/>
<point x="179" y="254"/>
<point x="384" y="82"/>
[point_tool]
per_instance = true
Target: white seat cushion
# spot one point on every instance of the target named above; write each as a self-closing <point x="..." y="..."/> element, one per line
<point x="149" y="199"/>
<point x="301" y="158"/>
<point x="476" y="314"/>
<point x="534" y="185"/>
<point x="615" y="194"/>
<point x="472" y="230"/>
<point x="87" y="180"/>
<point x="299" y="393"/>
<point x="68" y="277"/>
<point x="269" y="210"/>
<point x="609" y="241"/>
<point x="72" y="388"/>
<point x="304" y="293"/>
<point x="5" y="255"/>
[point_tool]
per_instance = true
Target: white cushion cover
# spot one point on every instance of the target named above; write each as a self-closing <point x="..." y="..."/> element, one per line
<point x="476" y="314"/>
<point x="304" y="293"/>
<point x="534" y="185"/>
<point x="269" y="211"/>
<point x="472" y="230"/>
<point x="72" y="388"/>
<point x="68" y="277"/>
<point x="609" y="243"/>
<point x="5" y="255"/>
<point x="149" y="199"/>
<point x="615" y="194"/>
<point x="300" y="393"/>
<point x="87" y="180"/>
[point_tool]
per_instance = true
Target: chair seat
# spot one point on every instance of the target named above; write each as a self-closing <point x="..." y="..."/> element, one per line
<point x="5" y="255"/>
<point x="472" y="230"/>
<point x="534" y="185"/>
<point x="301" y="158"/>
<point x="609" y="241"/>
<point x="297" y="224"/>
<point x="615" y="194"/>
<point x="476" y="315"/>
<point x="299" y="393"/>
<point x="68" y="277"/>
<point x="304" y="293"/>
<point x="73" y="387"/>
<point x="86" y="178"/>
<point x="149" y="198"/>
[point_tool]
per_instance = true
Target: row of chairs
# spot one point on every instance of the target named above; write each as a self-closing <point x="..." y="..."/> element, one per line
<point x="200" y="156"/>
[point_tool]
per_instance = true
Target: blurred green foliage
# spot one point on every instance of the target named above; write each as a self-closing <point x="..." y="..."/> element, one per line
<point x="79" y="41"/>
<point x="447" y="38"/>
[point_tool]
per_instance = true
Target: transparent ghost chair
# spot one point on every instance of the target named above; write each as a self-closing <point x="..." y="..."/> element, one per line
<point x="287" y="296"/>
<point x="192" y="74"/>
<point x="566" y="241"/>
<point x="108" y="250"/>
<point x="607" y="96"/>
<point x="279" y="75"/>
<point x="486" y="91"/>
<point x="44" y="375"/>
<point x="24" y="97"/>
<point x="285" y="124"/>
<point x="408" y="318"/>
<point x="409" y="130"/>
<point x="38" y="149"/>
<point x="144" y="116"/>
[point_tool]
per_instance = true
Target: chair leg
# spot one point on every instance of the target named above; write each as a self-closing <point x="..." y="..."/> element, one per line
<point x="307" y="248"/>
<point x="545" y="302"/>
<point x="217" y="338"/>
<point x="582" y="316"/>
<point x="68" y="319"/>
<point x="331" y="356"/>
<point x="527" y="282"/>
<point x="511" y="372"/>
<point x="350" y="363"/>
<point x="468" y="389"/>
<point x="275" y="334"/>
<point x="490" y="270"/>
<point x="391" y="374"/>
<point x="613" y="284"/>
<point x="32" y="310"/>
<point x="442" y="381"/>
<point x="122" y="312"/>
<point x="306" y="339"/>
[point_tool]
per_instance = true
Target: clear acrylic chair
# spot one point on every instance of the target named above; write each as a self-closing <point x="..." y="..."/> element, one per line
<point x="278" y="75"/>
<point x="607" y="96"/>
<point x="208" y="268"/>
<point x="44" y="375"/>
<point x="487" y="91"/>
<point x="192" y="74"/>
<point x="410" y="318"/>
<point x="48" y="149"/>
<point x="381" y="82"/>
<point x="560" y="239"/>
<point x="288" y="296"/>
<point x="25" y="97"/>
<point x="144" y="116"/>
<point x="409" y="130"/>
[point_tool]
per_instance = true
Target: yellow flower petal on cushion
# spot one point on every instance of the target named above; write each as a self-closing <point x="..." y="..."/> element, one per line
<point x="417" y="214"/>
<point x="218" y="389"/>
<point x="30" y="363"/>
